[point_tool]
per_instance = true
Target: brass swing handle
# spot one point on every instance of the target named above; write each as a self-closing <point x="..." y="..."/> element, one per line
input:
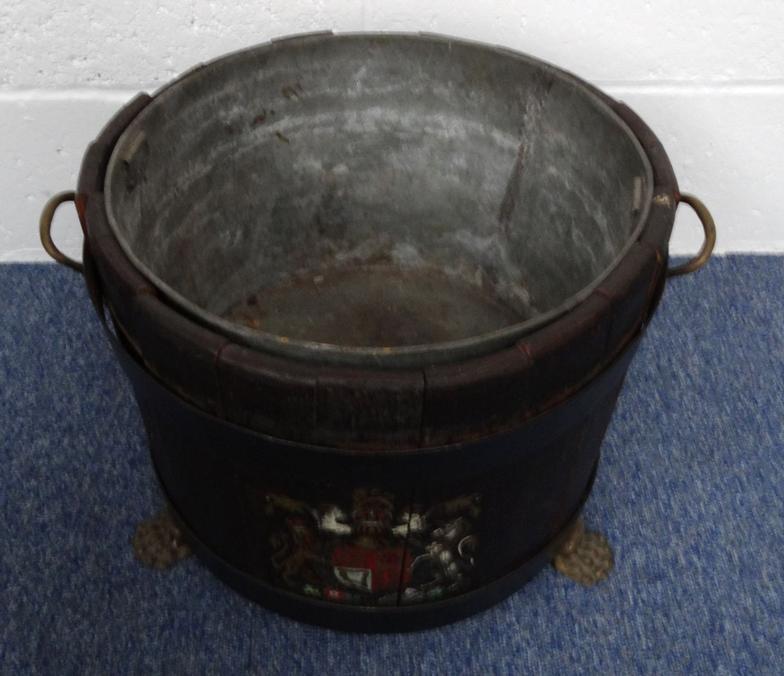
<point x="45" y="225"/>
<point x="709" y="226"/>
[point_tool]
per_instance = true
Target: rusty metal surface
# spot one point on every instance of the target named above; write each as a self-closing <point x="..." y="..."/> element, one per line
<point x="445" y="177"/>
<point x="375" y="305"/>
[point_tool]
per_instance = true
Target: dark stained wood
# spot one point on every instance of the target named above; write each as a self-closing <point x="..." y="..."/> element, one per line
<point x="97" y="156"/>
<point x="266" y="393"/>
<point x="91" y="176"/>
<point x="567" y="352"/>
<point x="121" y="281"/>
<point x="471" y="399"/>
<point x="659" y="224"/>
<point x="380" y="409"/>
<point x="629" y="288"/>
<point x="180" y="352"/>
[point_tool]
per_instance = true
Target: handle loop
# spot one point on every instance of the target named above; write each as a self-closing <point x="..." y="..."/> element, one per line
<point x="46" y="229"/>
<point x="709" y="226"/>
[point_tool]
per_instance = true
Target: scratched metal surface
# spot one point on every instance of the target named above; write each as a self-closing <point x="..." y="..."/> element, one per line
<point x="310" y="169"/>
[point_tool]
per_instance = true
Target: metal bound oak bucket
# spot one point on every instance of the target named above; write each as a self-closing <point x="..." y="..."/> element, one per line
<point x="377" y="295"/>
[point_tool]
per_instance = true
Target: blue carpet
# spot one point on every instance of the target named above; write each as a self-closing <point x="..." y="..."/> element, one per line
<point x="690" y="494"/>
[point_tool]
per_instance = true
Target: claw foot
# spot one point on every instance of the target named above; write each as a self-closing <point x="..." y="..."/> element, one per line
<point x="158" y="543"/>
<point x="586" y="557"/>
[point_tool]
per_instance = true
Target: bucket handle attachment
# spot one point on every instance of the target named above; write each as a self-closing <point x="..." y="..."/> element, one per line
<point x="709" y="227"/>
<point x="46" y="229"/>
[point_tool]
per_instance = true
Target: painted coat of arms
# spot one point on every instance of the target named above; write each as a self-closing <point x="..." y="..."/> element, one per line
<point x="372" y="552"/>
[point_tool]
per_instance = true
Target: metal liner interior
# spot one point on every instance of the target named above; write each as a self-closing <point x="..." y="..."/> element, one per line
<point x="377" y="199"/>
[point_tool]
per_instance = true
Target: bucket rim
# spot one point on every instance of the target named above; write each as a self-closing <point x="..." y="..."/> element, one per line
<point x="407" y="356"/>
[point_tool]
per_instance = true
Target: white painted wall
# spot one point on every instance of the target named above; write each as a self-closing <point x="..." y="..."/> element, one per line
<point x="707" y="75"/>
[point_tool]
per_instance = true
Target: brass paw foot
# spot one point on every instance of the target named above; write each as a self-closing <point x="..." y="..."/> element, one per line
<point x="158" y="543"/>
<point x="585" y="557"/>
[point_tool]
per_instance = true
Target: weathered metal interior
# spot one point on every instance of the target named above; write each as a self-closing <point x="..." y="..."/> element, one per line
<point x="376" y="199"/>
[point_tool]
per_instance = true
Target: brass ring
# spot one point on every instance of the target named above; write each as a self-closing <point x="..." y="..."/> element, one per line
<point x="46" y="229"/>
<point x="709" y="226"/>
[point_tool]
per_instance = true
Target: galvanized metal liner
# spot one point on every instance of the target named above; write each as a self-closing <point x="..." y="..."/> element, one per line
<point x="444" y="174"/>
